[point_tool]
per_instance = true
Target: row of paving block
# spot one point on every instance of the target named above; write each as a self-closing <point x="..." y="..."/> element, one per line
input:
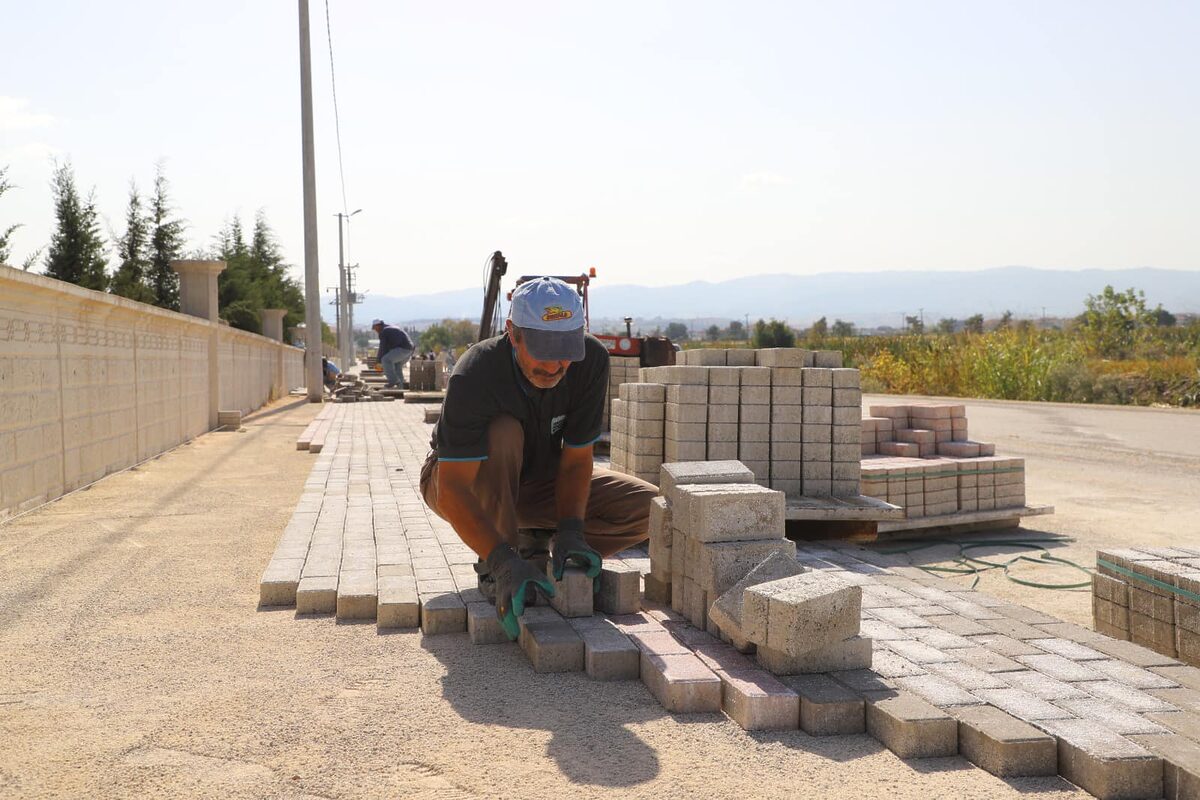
<point x="1151" y="596"/>
<point x="948" y="665"/>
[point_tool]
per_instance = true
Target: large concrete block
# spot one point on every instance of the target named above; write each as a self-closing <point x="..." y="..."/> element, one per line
<point x="720" y="565"/>
<point x="909" y="726"/>
<point x="729" y="512"/>
<point x="827" y="708"/>
<point x="727" y="609"/>
<point x="702" y="472"/>
<point x="802" y="613"/>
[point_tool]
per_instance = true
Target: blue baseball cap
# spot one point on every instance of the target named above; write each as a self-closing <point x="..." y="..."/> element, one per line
<point x="549" y="313"/>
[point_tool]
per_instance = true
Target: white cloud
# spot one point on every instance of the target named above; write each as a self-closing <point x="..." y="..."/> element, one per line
<point x="16" y="115"/>
<point x="765" y="179"/>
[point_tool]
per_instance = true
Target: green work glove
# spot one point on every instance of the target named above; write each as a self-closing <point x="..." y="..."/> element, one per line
<point x="569" y="545"/>
<point x="512" y="575"/>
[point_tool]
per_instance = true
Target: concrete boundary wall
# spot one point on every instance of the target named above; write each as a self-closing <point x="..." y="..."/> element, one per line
<point x="91" y="383"/>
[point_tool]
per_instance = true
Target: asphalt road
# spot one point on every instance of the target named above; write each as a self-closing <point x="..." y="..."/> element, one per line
<point x="1118" y="476"/>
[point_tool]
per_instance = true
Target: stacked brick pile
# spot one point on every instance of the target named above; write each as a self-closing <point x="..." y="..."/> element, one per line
<point x="423" y="375"/>
<point x="621" y="369"/>
<point x="796" y="426"/>
<point x="931" y="487"/>
<point x="920" y="431"/>
<point x="636" y="443"/>
<point x="1151" y="596"/>
<point x="717" y="547"/>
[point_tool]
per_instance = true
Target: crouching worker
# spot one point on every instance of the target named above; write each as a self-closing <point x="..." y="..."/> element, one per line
<point x="511" y="465"/>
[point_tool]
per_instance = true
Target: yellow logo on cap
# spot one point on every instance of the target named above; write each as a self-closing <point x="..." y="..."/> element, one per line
<point x="556" y="314"/>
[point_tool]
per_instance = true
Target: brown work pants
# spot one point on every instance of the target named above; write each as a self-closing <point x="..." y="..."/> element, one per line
<point x="618" y="509"/>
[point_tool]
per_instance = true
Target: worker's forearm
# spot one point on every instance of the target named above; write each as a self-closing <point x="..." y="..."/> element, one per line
<point x="572" y="488"/>
<point x="461" y="508"/>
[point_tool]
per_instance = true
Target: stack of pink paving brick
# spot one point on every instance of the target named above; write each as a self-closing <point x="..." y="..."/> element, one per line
<point x="923" y="430"/>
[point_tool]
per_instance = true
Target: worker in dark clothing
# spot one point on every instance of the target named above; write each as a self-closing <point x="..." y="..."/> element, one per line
<point x="395" y="349"/>
<point x="513" y="451"/>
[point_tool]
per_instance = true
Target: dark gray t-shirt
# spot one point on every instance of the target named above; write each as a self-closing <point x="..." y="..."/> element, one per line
<point x="487" y="382"/>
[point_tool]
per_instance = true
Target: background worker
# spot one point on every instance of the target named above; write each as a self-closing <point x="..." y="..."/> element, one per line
<point x="395" y="349"/>
<point x="513" y="450"/>
<point x="330" y="374"/>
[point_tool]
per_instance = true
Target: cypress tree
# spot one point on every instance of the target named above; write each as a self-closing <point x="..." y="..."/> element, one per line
<point x="5" y="244"/>
<point x="130" y="278"/>
<point x="166" y="244"/>
<point x="76" y="253"/>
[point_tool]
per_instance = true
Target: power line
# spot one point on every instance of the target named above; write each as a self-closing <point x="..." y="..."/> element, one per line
<point x="337" y="124"/>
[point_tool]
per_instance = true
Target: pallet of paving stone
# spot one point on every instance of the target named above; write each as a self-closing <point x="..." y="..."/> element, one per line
<point x="848" y="509"/>
<point x="975" y="520"/>
<point x="424" y="397"/>
<point x="1150" y="596"/>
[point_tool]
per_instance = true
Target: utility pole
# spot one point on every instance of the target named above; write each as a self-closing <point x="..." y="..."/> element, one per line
<point x="345" y="326"/>
<point x="336" y="302"/>
<point x="312" y="270"/>
<point x="350" y="301"/>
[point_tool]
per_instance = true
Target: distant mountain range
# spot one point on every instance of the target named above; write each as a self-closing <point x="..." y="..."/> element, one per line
<point x="867" y="299"/>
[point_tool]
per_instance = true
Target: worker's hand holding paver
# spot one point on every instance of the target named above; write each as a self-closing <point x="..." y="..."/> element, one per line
<point x="513" y="575"/>
<point x="569" y="545"/>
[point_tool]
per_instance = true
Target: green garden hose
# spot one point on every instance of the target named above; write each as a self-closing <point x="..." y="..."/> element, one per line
<point x="966" y="564"/>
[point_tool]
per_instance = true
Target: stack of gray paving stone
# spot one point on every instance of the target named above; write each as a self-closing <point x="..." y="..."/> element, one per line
<point x="720" y="524"/>
<point x="636" y="443"/>
<point x="685" y="432"/>
<point x="783" y="417"/>
<point x="621" y="369"/>
<point x="1151" y="596"/>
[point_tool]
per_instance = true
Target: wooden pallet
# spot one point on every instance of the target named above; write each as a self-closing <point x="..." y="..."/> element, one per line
<point x="844" y="509"/>
<point x="965" y="520"/>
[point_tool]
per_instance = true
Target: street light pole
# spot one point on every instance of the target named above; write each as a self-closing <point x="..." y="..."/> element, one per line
<point x="312" y="271"/>
<point x="345" y="312"/>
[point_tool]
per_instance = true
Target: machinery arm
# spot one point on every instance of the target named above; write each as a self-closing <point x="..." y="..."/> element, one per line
<point x="497" y="267"/>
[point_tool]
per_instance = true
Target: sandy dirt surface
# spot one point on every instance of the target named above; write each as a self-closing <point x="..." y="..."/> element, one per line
<point x="134" y="662"/>
<point x="1117" y="477"/>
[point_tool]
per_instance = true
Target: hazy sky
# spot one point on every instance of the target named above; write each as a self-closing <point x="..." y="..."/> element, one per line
<point x="657" y="141"/>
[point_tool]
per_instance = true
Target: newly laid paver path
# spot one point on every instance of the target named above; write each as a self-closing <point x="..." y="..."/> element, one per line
<point x="134" y="662"/>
